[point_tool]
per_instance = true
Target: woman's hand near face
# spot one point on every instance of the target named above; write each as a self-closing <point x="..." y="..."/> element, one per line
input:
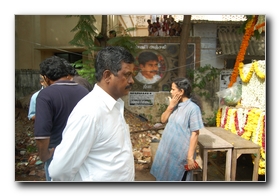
<point x="175" y="100"/>
<point x="172" y="103"/>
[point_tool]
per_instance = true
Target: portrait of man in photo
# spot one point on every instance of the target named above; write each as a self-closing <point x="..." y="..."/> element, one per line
<point x="148" y="68"/>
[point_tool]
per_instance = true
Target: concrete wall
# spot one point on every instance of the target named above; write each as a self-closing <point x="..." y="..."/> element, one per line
<point x="27" y="81"/>
<point x="208" y="35"/>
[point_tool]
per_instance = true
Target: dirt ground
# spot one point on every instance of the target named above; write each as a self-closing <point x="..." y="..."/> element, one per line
<point x="28" y="166"/>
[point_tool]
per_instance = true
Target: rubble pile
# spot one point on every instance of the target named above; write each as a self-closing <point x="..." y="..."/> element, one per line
<point x="28" y="166"/>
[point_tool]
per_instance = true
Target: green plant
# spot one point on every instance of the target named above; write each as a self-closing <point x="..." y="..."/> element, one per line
<point x="86" y="36"/>
<point x="126" y="42"/>
<point x="31" y="149"/>
<point x="203" y="83"/>
<point x="85" y="70"/>
<point x="256" y="34"/>
<point x="203" y="79"/>
<point x="161" y="109"/>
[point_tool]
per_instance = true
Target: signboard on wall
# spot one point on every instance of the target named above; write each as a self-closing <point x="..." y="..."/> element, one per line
<point x="138" y="98"/>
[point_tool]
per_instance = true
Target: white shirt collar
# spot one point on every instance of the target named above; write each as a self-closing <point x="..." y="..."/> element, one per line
<point x="109" y="101"/>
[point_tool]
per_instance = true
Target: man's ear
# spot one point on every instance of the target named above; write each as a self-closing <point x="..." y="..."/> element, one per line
<point x="47" y="80"/>
<point x="107" y="76"/>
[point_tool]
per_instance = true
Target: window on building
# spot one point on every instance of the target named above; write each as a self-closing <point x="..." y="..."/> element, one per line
<point x="70" y="57"/>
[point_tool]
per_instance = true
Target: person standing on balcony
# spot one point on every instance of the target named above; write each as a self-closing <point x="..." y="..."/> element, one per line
<point x="159" y="26"/>
<point x="165" y="26"/>
<point x="150" y="26"/>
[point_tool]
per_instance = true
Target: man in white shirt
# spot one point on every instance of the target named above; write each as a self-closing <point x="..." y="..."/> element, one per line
<point x="148" y="64"/>
<point x="96" y="143"/>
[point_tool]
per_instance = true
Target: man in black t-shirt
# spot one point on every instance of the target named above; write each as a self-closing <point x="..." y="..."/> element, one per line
<point x="53" y="106"/>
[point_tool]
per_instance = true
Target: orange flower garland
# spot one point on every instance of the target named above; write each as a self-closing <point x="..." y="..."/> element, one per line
<point x="260" y="26"/>
<point x="249" y="30"/>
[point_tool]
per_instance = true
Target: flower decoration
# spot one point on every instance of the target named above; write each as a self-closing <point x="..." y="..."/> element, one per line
<point x="257" y="65"/>
<point x="248" y="124"/>
<point x="249" y="30"/>
<point x="246" y="78"/>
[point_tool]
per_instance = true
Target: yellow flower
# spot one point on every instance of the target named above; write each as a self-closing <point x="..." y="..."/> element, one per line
<point x="260" y="74"/>
<point x="262" y="163"/>
<point x="261" y="171"/>
<point x="218" y="117"/>
<point x="246" y="78"/>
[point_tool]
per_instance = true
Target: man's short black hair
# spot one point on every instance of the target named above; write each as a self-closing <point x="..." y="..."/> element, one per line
<point x="71" y="70"/>
<point x="54" y="68"/>
<point x="146" y="56"/>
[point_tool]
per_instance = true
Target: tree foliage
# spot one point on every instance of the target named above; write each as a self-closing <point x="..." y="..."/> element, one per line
<point x="257" y="33"/>
<point x="86" y="36"/>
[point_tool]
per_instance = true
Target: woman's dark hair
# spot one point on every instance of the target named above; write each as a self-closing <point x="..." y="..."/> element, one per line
<point x="54" y="68"/>
<point x="185" y="84"/>
<point x="111" y="58"/>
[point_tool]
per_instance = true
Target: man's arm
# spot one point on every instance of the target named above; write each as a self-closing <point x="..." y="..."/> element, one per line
<point x="77" y="140"/>
<point x="43" y="148"/>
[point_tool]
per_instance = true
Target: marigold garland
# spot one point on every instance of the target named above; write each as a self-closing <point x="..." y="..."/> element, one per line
<point x="254" y="68"/>
<point x="263" y="134"/>
<point x="224" y="115"/>
<point x="248" y="124"/>
<point x="218" y="117"/>
<point x="249" y="30"/>
<point x="241" y="120"/>
<point x="232" y="121"/>
<point x="251" y="124"/>
<point x="257" y="133"/>
<point x="246" y="78"/>
<point x="260" y="74"/>
<point x="228" y="119"/>
<point x="259" y="26"/>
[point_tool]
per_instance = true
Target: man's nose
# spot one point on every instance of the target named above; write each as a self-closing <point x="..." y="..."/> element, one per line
<point x="131" y="80"/>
